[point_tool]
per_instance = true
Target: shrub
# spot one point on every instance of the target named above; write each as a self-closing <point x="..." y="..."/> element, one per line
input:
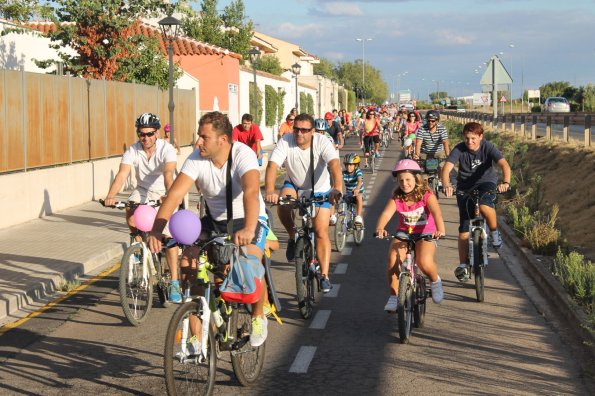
<point x="536" y="109"/>
<point x="578" y="278"/>
<point x="543" y="236"/>
<point x="270" y="105"/>
<point x="258" y="115"/>
<point x="280" y="105"/>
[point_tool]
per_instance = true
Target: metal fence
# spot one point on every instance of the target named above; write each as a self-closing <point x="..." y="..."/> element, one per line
<point x="567" y="127"/>
<point x="49" y="120"/>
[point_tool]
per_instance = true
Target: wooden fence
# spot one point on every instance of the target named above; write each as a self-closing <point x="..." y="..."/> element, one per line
<point x="49" y="120"/>
<point x="562" y="126"/>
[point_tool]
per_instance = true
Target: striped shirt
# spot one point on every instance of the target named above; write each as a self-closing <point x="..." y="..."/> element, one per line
<point x="350" y="180"/>
<point x="432" y="142"/>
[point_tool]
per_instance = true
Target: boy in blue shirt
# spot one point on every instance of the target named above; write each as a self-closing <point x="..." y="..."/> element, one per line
<point x="354" y="184"/>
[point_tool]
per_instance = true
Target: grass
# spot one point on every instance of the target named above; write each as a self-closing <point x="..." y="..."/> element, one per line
<point x="66" y="286"/>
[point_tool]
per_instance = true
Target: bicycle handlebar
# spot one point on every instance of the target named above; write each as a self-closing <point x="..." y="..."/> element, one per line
<point x="396" y="236"/>
<point x="131" y="205"/>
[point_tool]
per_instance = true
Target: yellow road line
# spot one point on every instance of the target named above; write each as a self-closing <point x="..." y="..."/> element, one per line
<point x="58" y="300"/>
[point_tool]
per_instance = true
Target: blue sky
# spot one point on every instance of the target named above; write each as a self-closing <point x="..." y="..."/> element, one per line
<point x="442" y="42"/>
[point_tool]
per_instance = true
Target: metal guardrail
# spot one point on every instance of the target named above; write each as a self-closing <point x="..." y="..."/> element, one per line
<point x="555" y="126"/>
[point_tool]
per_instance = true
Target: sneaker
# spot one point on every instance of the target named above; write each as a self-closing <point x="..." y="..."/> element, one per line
<point x="496" y="239"/>
<point x="259" y="332"/>
<point x="377" y="154"/>
<point x="391" y="304"/>
<point x="290" y="252"/>
<point x="437" y="291"/>
<point x="462" y="272"/>
<point x="192" y="348"/>
<point x="358" y="221"/>
<point x="175" y="296"/>
<point x="325" y="284"/>
<point x="366" y="165"/>
<point x="333" y="219"/>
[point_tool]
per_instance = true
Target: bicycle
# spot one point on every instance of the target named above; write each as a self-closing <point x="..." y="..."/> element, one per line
<point x="384" y="137"/>
<point x="190" y="363"/>
<point x="478" y="241"/>
<point x="431" y="168"/>
<point x="307" y="268"/>
<point x="140" y="271"/>
<point x="413" y="291"/>
<point x="346" y="225"/>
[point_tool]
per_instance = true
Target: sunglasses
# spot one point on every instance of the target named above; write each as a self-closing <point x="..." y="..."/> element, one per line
<point x="431" y="120"/>
<point x="148" y="134"/>
<point x="291" y="119"/>
<point x="301" y="130"/>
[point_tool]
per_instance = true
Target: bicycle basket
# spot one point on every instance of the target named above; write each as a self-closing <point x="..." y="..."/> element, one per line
<point x="431" y="165"/>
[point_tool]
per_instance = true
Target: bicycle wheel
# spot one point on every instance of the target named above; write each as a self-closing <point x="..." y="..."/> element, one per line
<point x="419" y="309"/>
<point x="434" y="186"/>
<point x="301" y="277"/>
<point x="478" y="269"/>
<point x="340" y="233"/>
<point x="358" y="232"/>
<point x="246" y="360"/>
<point x="162" y="279"/>
<point x="270" y="218"/>
<point x="373" y="162"/>
<point x="187" y="372"/>
<point x="136" y="291"/>
<point x="404" y="307"/>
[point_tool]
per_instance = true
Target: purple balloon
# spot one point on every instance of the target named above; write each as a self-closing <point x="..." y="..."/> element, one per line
<point x="185" y="227"/>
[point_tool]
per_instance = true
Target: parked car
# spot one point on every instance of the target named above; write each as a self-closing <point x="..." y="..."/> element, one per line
<point x="556" y="104"/>
<point x="461" y="110"/>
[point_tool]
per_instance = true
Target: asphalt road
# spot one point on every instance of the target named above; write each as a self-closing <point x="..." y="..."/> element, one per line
<point x="83" y="345"/>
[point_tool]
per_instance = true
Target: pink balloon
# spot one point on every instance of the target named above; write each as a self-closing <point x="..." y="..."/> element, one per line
<point x="144" y="217"/>
<point x="185" y="227"/>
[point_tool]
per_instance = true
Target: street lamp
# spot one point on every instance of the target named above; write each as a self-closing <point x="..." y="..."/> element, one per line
<point x="169" y="28"/>
<point x="254" y="55"/>
<point x="399" y="87"/>
<point x="363" y="40"/>
<point x="295" y="68"/>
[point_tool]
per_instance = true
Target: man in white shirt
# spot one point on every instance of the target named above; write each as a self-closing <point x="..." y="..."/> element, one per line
<point x="293" y="150"/>
<point x="207" y="166"/>
<point x="154" y="161"/>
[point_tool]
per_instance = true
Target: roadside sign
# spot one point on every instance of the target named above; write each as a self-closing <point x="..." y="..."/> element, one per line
<point x="533" y="93"/>
<point x="502" y="99"/>
<point x="501" y="74"/>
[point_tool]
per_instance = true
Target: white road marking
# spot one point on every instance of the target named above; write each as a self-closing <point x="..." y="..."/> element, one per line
<point x="320" y="319"/>
<point x="346" y="251"/>
<point x="302" y="360"/>
<point x="334" y="291"/>
<point x="340" y="269"/>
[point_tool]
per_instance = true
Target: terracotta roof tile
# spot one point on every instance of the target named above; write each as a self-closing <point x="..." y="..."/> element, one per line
<point x="183" y="46"/>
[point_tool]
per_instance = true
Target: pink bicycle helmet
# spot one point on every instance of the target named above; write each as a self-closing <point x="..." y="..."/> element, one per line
<point x="406" y="165"/>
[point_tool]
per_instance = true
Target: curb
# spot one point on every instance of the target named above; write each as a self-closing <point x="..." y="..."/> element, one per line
<point x="45" y="290"/>
<point x="559" y="300"/>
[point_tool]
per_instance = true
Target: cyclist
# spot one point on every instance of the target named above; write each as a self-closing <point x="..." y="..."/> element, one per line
<point x="400" y="123"/>
<point x="333" y="128"/>
<point x="295" y="152"/>
<point x="320" y="126"/>
<point x="207" y="166"/>
<point x="249" y="133"/>
<point x="154" y="161"/>
<point x="418" y="210"/>
<point x="354" y="183"/>
<point x="431" y="140"/>
<point x="411" y="128"/>
<point x="371" y="136"/>
<point x="475" y="157"/>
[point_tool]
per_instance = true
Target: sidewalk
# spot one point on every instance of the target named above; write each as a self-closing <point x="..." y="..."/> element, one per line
<point x="36" y="257"/>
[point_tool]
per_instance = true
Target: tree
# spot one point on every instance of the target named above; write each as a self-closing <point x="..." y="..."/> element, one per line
<point x="350" y="75"/>
<point x="24" y="10"/>
<point x="269" y="64"/>
<point x="102" y="33"/>
<point x="238" y="29"/>
<point x="438" y="96"/>
<point x="325" y="68"/>
<point x="280" y="104"/>
<point x="270" y="105"/>
<point x="556" y="88"/>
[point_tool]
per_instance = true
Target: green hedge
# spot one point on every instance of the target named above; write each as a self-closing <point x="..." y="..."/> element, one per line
<point x="258" y="115"/>
<point x="270" y="105"/>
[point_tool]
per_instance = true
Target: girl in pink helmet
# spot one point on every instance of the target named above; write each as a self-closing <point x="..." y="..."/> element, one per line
<point x="419" y="216"/>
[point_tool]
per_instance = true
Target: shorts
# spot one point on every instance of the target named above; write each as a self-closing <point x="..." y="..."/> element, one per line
<point x="210" y="226"/>
<point x="467" y="208"/>
<point x="140" y="195"/>
<point x="326" y="205"/>
<point x="404" y="236"/>
<point x="368" y="140"/>
<point x="408" y="142"/>
<point x="438" y="155"/>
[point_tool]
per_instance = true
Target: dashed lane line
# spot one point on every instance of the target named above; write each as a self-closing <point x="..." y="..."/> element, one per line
<point x="320" y="319"/>
<point x="302" y="360"/>
<point x="334" y="291"/>
<point x="346" y="251"/>
<point x="340" y="269"/>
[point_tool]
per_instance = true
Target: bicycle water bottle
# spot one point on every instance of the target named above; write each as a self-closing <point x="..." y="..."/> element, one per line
<point x="407" y="262"/>
<point x="218" y="318"/>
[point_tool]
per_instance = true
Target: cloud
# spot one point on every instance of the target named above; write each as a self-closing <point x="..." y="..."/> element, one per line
<point x="337" y="8"/>
<point x="293" y="31"/>
<point x="336" y="56"/>
<point x="448" y="37"/>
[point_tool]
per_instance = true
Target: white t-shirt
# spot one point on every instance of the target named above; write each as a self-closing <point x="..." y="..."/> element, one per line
<point x="211" y="180"/>
<point x="297" y="161"/>
<point x="149" y="171"/>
